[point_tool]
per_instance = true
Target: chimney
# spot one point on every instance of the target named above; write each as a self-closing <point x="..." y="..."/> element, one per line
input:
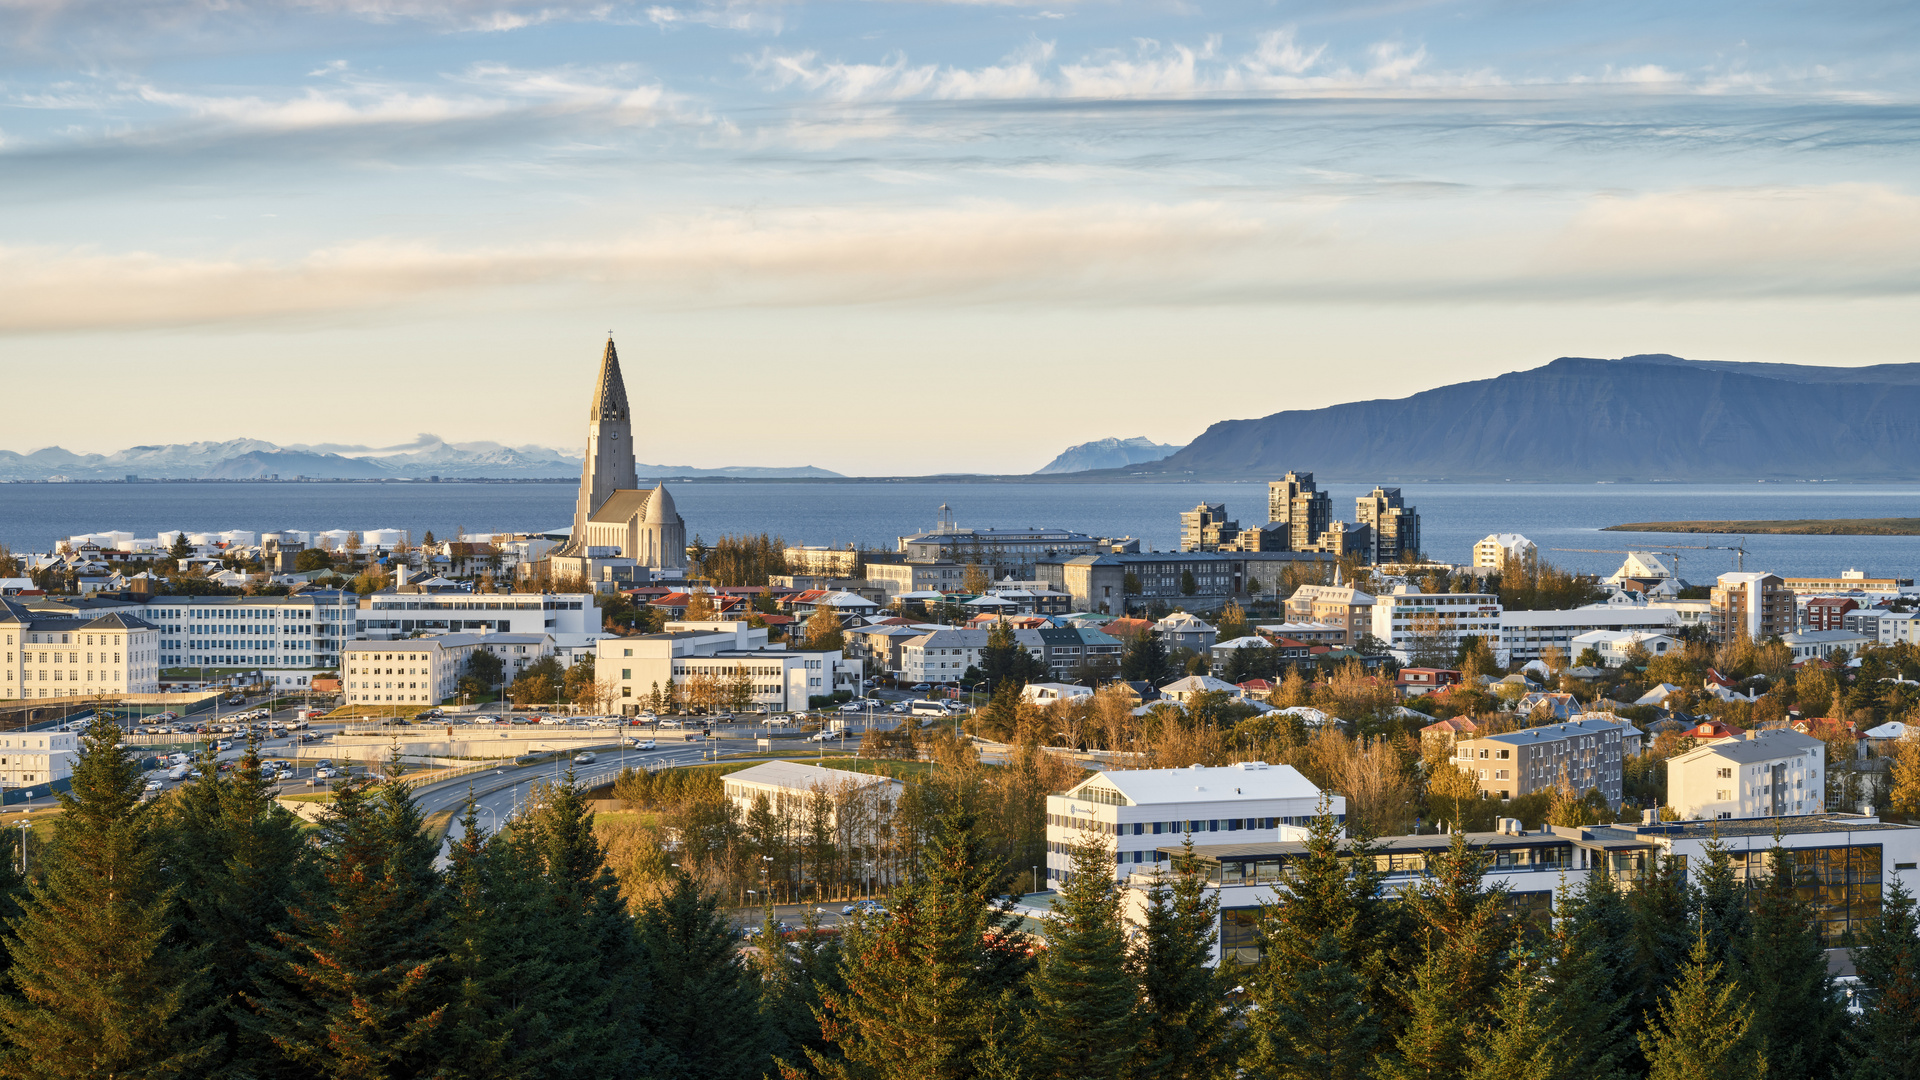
<point x="400" y="575"/>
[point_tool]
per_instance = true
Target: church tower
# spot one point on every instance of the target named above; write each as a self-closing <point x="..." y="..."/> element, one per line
<point x="609" y="460"/>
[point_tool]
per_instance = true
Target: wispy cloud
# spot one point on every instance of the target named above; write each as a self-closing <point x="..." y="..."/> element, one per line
<point x="1842" y="240"/>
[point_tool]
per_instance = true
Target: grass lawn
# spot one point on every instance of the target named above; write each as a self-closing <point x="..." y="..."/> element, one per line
<point x="627" y="817"/>
<point x="436" y="825"/>
<point x="315" y="797"/>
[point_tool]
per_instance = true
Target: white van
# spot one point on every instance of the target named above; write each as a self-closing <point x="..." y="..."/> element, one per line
<point x="929" y="708"/>
<point x="178" y="772"/>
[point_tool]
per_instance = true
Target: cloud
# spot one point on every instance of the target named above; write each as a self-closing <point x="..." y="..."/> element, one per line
<point x="1685" y="244"/>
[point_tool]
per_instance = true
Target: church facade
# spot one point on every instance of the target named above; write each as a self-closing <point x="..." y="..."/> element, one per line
<point x="621" y="532"/>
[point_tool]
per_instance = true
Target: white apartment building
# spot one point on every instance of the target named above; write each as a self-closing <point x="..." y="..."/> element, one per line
<point x="415" y="671"/>
<point x="944" y="655"/>
<point x="783" y="679"/>
<point x="569" y="618"/>
<point x="1497" y="548"/>
<point x="939" y="575"/>
<point x="1615" y="645"/>
<point x="1144" y="812"/>
<point x="285" y="636"/>
<point x="1402" y="616"/>
<point x="1527" y="635"/>
<point x="1768" y="774"/>
<point x="1855" y="857"/>
<point x="1898" y="626"/>
<point x="28" y="758"/>
<point x="43" y="657"/>
<point x="1820" y="644"/>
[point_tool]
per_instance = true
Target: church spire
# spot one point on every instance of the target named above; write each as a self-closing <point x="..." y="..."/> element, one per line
<point x="610" y="394"/>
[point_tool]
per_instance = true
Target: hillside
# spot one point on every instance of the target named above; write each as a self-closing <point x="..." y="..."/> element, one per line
<point x="1641" y="418"/>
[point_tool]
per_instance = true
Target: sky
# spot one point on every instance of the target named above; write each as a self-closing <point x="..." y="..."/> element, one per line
<point x="888" y="237"/>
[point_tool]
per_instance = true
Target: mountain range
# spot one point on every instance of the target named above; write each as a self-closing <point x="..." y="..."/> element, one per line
<point x="256" y="459"/>
<point x="1637" y="418"/>
<point x="1107" y="454"/>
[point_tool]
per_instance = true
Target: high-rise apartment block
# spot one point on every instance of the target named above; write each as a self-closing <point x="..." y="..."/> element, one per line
<point x="1206" y="528"/>
<point x="1396" y="526"/>
<point x="1295" y="502"/>
<point x="1758" y="606"/>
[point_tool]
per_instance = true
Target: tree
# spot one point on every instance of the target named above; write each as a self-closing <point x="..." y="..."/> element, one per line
<point x="1004" y="659"/>
<point x="355" y="993"/>
<point x="1719" y="902"/>
<point x="824" y="632"/>
<point x="1521" y="1040"/>
<point x="1188" y="586"/>
<point x="1703" y="1027"/>
<point x="931" y="992"/>
<point x="98" y="990"/>
<point x="1322" y="1024"/>
<point x="1463" y="931"/>
<point x="1591" y="991"/>
<point x="700" y="607"/>
<point x="705" y="1003"/>
<point x="179" y="549"/>
<point x="1130" y="583"/>
<point x="1232" y="622"/>
<point x="1145" y="659"/>
<point x="1885" y="1042"/>
<point x="238" y="863"/>
<point x="1188" y="1031"/>
<point x="1331" y="894"/>
<point x="1905" y="796"/>
<point x="975" y="579"/>
<point x="1796" y="1019"/>
<point x="1081" y="1023"/>
<point x="310" y="559"/>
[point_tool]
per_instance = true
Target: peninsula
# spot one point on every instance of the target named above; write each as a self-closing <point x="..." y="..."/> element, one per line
<point x="1802" y="527"/>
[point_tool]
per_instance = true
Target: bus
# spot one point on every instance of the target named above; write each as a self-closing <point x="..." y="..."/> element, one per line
<point x="929" y="708"/>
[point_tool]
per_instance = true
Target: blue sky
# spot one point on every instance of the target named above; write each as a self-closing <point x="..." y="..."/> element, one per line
<point x="908" y="237"/>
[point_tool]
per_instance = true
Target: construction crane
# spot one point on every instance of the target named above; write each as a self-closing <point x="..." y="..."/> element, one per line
<point x="1670" y="551"/>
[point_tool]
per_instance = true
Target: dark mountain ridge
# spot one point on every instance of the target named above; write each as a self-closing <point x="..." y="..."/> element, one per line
<point x="1642" y="418"/>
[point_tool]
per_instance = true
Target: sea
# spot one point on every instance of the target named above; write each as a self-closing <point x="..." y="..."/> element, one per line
<point x="1563" y="519"/>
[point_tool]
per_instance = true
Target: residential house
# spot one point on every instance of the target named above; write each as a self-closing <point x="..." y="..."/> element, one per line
<point x="1582" y="755"/>
<point x="1181" y="630"/>
<point x="1767" y="774"/>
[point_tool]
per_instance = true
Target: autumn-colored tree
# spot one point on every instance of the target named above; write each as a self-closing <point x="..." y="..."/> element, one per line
<point x="824" y="633"/>
<point x="1904" y="798"/>
<point x="699" y="607"/>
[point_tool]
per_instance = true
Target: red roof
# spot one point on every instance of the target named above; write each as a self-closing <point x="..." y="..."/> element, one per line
<point x="1451" y="727"/>
<point x="1255" y="684"/>
<point x="1713" y="729"/>
<point x="778" y="620"/>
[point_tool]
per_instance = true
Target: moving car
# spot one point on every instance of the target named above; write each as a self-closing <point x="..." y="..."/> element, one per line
<point x="863" y="907"/>
<point x="156" y="785"/>
<point x="643" y="744"/>
<point x="585" y="757"/>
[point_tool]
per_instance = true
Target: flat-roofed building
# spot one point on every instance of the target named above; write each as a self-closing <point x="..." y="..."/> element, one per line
<point x="1527" y="635"/>
<point x="1849" y="582"/>
<point x="1755" y="606"/>
<point x="1404" y="617"/>
<point x="1335" y="605"/>
<point x="1851" y="859"/>
<point x="1139" y="810"/>
<point x="727" y="661"/>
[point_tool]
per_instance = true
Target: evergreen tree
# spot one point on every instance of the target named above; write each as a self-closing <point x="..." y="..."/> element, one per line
<point x="1884" y="1044"/>
<point x="706" y="1007"/>
<point x="1328" y="893"/>
<point x="1702" y="1030"/>
<point x="355" y="993"/>
<point x="597" y="936"/>
<point x="1796" y="1020"/>
<point x="932" y="990"/>
<point x="1081" y="1024"/>
<point x="101" y="992"/>
<point x="1321" y="1026"/>
<point x="238" y="862"/>
<point x="1005" y="660"/>
<point x="794" y="985"/>
<point x="1188" y="1032"/>
<point x="1661" y="918"/>
<point x="1145" y="660"/>
<point x="1719" y="901"/>
<point x="1522" y="1039"/>
<point x="1463" y="931"/>
<point x="1592" y="980"/>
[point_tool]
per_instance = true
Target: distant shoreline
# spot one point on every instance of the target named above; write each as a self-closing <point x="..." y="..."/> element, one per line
<point x="1091" y="476"/>
<point x="1800" y="527"/>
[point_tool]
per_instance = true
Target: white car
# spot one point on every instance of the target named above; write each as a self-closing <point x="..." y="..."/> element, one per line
<point x="823" y="735"/>
<point x="584" y="758"/>
<point x="323" y="774"/>
<point x="156" y="785"/>
<point x="554" y="720"/>
<point x="643" y="744"/>
<point x="853" y="706"/>
<point x="672" y="723"/>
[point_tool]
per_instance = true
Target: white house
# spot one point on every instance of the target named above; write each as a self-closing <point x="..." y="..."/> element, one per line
<point x="1768" y="774"/>
<point x="1183" y="631"/>
<point x="1140" y="811"/>
<point x="943" y="656"/>
<point x="1185" y="690"/>
<point x="29" y="758"/>
<point x="1527" y="634"/>
<point x="1820" y="644"/>
<point x="1614" y="645"/>
<point x="1046" y="693"/>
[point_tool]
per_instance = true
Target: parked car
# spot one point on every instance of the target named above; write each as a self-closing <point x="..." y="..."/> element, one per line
<point x="921" y="688"/>
<point x="672" y="723"/>
<point x="853" y="706"/>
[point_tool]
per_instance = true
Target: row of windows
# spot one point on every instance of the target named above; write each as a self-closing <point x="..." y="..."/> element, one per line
<point x="1159" y="828"/>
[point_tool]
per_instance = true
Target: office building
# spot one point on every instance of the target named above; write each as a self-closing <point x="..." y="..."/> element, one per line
<point x="1852" y="858"/>
<point x="55" y="657"/>
<point x="1141" y="811"/>
<point x="721" y="654"/>
<point x="292" y="638"/>
<point x="1405" y="617"/>
<point x="571" y="619"/>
